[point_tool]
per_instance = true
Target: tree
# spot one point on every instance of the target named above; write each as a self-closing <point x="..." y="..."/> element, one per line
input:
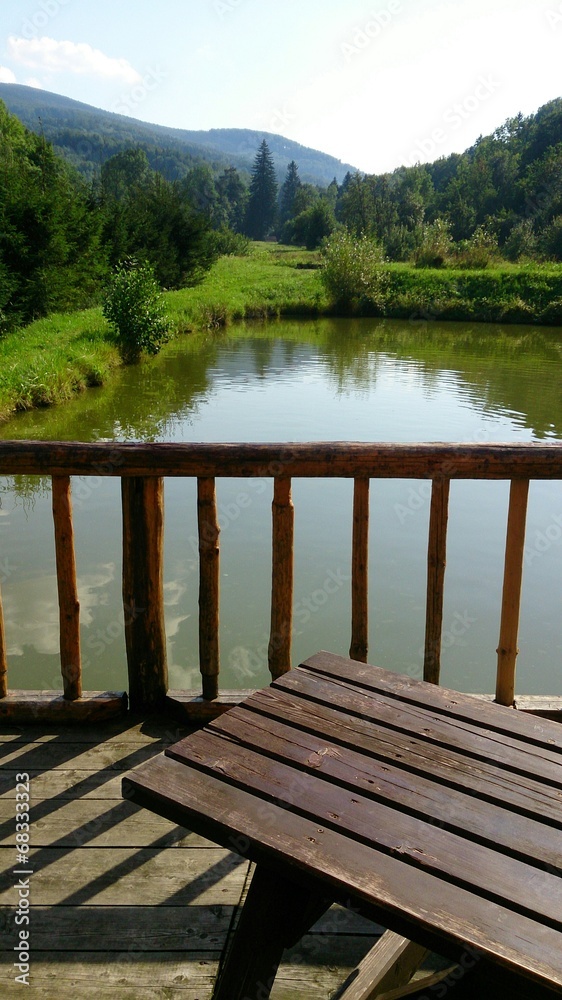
<point x="154" y="221"/>
<point x="50" y="251"/>
<point x="313" y="225"/>
<point x="233" y="195"/>
<point x="288" y="193"/>
<point x="260" y="214"/>
<point x="122" y="171"/>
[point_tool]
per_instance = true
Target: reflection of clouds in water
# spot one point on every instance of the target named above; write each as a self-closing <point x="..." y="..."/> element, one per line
<point x="31" y="614"/>
<point x="184" y="678"/>
<point x="91" y="593"/>
<point x="31" y="611"/>
<point x="178" y="676"/>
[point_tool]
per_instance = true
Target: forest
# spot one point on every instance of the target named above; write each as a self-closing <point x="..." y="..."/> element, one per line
<point x="62" y="234"/>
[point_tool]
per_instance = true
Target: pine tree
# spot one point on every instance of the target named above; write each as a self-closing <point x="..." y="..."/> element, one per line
<point x="288" y="193"/>
<point x="260" y="214"/>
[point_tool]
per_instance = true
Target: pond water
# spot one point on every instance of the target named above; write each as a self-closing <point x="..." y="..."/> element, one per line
<point x="362" y="380"/>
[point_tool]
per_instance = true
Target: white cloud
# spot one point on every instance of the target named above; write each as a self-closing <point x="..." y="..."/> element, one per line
<point x="52" y="56"/>
<point x="6" y="75"/>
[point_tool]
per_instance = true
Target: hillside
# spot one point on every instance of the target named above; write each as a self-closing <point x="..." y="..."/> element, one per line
<point x="87" y="136"/>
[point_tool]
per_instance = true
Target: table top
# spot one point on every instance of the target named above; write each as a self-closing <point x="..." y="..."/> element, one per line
<point x="437" y="813"/>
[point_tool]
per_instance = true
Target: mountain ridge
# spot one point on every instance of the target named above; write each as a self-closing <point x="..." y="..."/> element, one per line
<point x="87" y="136"/>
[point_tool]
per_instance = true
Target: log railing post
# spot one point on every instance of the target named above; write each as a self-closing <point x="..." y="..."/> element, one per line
<point x="360" y="572"/>
<point x="436" y="561"/>
<point x="143" y="590"/>
<point x="511" y="599"/>
<point x="209" y="530"/>
<point x="279" y="650"/>
<point x="3" y="657"/>
<point x="69" y="606"/>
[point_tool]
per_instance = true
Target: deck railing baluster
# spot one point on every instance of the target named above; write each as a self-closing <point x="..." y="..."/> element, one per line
<point x="283" y="514"/>
<point x="143" y="590"/>
<point x="436" y="561"/>
<point x="209" y="555"/>
<point x="511" y="598"/>
<point x="69" y="605"/>
<point x="3" y="657"/>
<point x="360" y="572"/>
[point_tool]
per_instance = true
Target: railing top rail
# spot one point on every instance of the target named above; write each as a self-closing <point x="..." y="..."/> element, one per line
<point x="347" y="459"/>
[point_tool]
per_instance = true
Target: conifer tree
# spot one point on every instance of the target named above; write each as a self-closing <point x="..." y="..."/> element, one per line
<point x="288" y="193"/>
<point x="260" y="214"/>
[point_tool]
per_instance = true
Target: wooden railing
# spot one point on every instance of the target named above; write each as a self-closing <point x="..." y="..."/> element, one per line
<point x="142" y="468"/>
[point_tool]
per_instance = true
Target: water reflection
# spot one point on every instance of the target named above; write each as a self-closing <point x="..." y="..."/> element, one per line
<point x="319" y="380"/>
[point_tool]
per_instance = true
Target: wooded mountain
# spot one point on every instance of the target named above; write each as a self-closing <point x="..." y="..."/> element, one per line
<point x="87" y="137"/>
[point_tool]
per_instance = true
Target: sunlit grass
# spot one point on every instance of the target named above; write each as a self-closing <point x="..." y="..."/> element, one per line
<point x="48" y="361"/>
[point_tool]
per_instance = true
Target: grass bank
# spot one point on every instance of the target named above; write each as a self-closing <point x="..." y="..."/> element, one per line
<point x="506" y="294"/>
<point x="48" y="361"/>
<point x="53" y="358"/>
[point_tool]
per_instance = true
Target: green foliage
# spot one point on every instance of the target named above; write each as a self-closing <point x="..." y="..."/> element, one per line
<point x="354" y="272"/>
<point x="552" y="239"/>
<point x="226" y="243"/>
<point x="134" y="307"/>
<point x="435" y="246"/>
<point x="233" y="200"/>
<point x="153" y="219"/>
<point x="262" y="203"/>
<point x="521" y="243"/>
<point x="50" y="234"/>
<point x="288" y="193"/>
<point x="477" y="252"/>
<point x="311" y="227"/>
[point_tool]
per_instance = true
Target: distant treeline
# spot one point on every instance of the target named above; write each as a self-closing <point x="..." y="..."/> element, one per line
<point x="61" y="234"/>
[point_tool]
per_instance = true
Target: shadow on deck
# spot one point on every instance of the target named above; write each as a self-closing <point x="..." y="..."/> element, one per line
<point x="123" y="903"/>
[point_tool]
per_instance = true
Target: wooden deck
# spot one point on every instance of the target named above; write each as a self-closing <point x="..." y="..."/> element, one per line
<point x="123" y="903"/>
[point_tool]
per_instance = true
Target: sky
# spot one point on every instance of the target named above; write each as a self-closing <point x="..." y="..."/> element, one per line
<point x="375" y="83"/>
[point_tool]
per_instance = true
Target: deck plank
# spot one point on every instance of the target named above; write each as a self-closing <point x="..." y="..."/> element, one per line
<point x="127" y="905"/>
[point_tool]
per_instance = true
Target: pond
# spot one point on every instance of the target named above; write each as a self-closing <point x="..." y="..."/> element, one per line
<point x="360" y="380"/>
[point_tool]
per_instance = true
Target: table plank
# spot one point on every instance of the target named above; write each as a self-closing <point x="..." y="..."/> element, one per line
<point x="448" y="731"/>
<point x="418" y="842"/>
<point x="489" y="782"/>
<point x="411" y="792"/>
<point x="408" y="899"/>
<point x="489" y="716"/>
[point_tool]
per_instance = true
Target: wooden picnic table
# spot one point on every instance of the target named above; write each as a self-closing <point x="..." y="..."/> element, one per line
<point x="435" y="813"/>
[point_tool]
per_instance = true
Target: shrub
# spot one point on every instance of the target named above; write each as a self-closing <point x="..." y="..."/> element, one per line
<point x="478" y="251"/>
<point x="551" y="239"/>
<point x="436" y="244"/>
<point x="227" y="243"/>
<point x="521" y="242"/>
<point x="134" y="307"/>
<point x="353" y="274"/>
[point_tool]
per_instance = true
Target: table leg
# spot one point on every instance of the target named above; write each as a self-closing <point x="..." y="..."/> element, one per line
<point x="276" y="914"/>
